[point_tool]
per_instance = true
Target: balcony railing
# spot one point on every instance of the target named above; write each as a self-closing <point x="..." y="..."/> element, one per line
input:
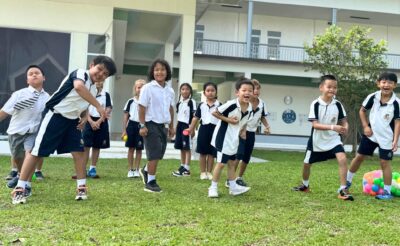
<point x="265" y="52"/>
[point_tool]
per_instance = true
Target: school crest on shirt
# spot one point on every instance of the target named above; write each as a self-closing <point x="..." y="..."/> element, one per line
<point x="333" y="120"/>
<point x="386" y="116"/>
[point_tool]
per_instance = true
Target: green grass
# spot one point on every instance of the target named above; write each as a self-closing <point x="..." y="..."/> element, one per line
<point x="119" y="212"/>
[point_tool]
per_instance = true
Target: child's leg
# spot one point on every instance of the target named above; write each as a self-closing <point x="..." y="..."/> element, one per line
<point x="387" y="172"/>
<point x="342" y="161"/>
<point x="356" y="162"/>
<point x="152" y="167"/>
<point x="18" y="163"/>
<point x="188" y="157"/>
<point x="138" y="158"/>
<point x="232" y="169"/>
<point x="217" y="172"/>
<point x="183" y="157"/>
<point x="131" y="151"/>
<point x="242" y="168"/>
<point x="86" y="154"/>
<point x="306" y="173"/>
<point x="95" y="156"/>
<point x="210" y="163"/>
<point x="28" y="167"/>
<point x="80" y="166"/>
<point x="39" y="165"/>
<point x="202" y="162"/>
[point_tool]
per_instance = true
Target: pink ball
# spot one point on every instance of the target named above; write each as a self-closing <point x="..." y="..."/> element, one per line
<point x="377" y="174"/>
<point x="368" y="188"/>
<point x="380" y="191"/>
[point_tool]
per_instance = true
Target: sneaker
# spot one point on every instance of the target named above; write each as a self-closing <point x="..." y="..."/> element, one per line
<point x="13" y="182"/>
<point x="81" y="193"/>
<point x="136" y="174"/>
<point x="182" y="171"/>
<point x="28" y="191"/>
<point x="152" y="186"/>
<point x="241" y="182"/>
<point x="143" y="174"/>
<point x="348" y="185"/>
<point x="203" y="176"/>
<point x="385" y="196"/>
<point x="345" y="195"/>
<point x="92" y="173"/>
<point x="39" y="175"/>
<point x="130" y="174"/>
<point x="18" y="196"/>
<point x="302" y="188"/>
<point x="227" y="183"/>
<point x="237" y="190"/>
<point x="209" y="175"/>
<point x="213" y="192"/>
<point x="12" y="175"/>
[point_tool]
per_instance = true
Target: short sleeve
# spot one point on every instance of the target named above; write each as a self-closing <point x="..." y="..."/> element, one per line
<point x="144" y="96"/>
<point x="342" y="112"/>
<point x="9" y="105"/>
<point x="313" y="113"/>
<point x="198" y="111"/>
<point x="368" y="101"/>
<point x="108" y="100"/>
<point x="127" y="106"/>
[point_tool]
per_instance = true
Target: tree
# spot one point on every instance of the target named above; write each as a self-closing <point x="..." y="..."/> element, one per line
<point x="356" y="61"/>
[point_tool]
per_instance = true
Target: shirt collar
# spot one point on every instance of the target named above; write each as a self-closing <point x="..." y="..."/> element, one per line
<point x="249" y="107"/>
<point x="155" y="83"/>
<point x="31" y="89"/>
<point x="322" y="102"/>
<point x="378" y="95"/>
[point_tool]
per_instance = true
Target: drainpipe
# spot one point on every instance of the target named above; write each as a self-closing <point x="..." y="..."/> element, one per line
<point x="249" y="27"/>
<point x="334" y="16"/>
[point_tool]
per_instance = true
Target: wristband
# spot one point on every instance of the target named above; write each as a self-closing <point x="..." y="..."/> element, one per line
<point x="142" y="125"/>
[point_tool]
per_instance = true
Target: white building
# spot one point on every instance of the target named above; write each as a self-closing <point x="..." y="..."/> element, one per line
<point x="204" y="40"/>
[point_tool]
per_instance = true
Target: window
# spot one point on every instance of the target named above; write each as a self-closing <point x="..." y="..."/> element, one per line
<point x="273" y="41"/>
<point x="255" y="42"/>
<point x="96" y="46"/>
<point x="198" y="39"/>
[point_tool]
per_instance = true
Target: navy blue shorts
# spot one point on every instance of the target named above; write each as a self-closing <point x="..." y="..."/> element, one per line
<point x="57" y="133"/>
<point x="312" y="156"/>
<point x="246" y="147"/>
<point x="223" y="158"/>
<point x="134" y="139"/>
<point x="367" y="147"/>
<point x="204" y="137"/>
<point x="182" y="141"/>
<point x="100" y="138"/>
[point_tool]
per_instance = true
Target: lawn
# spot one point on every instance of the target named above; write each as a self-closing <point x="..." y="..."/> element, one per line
<point x="119" y="212"/>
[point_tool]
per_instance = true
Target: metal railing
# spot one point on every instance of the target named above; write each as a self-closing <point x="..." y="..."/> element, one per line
<point x="265" y="51"/>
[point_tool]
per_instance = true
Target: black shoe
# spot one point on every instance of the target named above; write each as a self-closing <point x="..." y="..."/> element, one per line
<point x="345" y="195"/>
<point x="152" y="186"/>
<point x="302" y="188"/>
<point x="39" y="175"/>
<point x="12" y="175"/>
<point x="13" y="182"/>
<point x="182" y="171"/>
<point x="143" y="174"/>
<point x="28" y="191"/>
<point x="241" y="182"/>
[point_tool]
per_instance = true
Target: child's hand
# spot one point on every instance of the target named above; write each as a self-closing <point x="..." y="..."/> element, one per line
<point x="267" y="130"/>
<point x="171" y="132"/>
<point x="233" y="120"/>
<point x="394" y="146"/>
<point x="242" y="134"/>
<point x="143" y="132"/>
<point x="102" y="112"/>
<point x="123" y="134"/>
<point x="81" y="123"/>
<point x="368" y="131"/>
<point x="340" y="129"/>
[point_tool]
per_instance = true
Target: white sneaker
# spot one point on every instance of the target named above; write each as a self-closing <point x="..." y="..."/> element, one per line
<point x="237" y="190"/>
<point x="131" y="174"/>
<point x="136" y="174"/>
<point x="209" y="175"/>
<point x="203" y="176"/>
<point x="81" y="193"/>
<point x="212" y="192"/>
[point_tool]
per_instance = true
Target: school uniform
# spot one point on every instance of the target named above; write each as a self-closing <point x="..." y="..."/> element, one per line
<point x="99" y="138"/>
<point x="246" y="146"/>
<point x="206" y="129"/>
<point x="382" y="118"/>
<point x="157" y="100"/>
<point x="58" y="130"/>
<point x="25" y="107"/>
<point x="324" y="144"/>
<point x="226" y="136"/>
<point x="185" y="111"/>
<point x="132" y="129"/>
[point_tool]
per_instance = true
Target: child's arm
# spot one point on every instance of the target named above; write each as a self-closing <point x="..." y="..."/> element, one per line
<point x="337" y="128"/>
<point x="232" y="120"/>
<point x="83" y="92"/>
<point x="3" y="115"/>
<point x="124" y="123"/>
<point x="171" y="130"/>
<point x="264" y="121"/>
<point x="142" y="114"/>
<point x="343" y="122"/>
<point x="396" y="135"/>
<point x="192" y="126"/>
<point x="83" y="119"/>
<point x="364" y="122"/>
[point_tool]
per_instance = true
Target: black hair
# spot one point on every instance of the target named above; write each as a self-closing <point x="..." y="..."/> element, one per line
<point x="326" y="77"/>
<point x="34" y="66"/>
<point x="388" y="76"/>
<point x="243" y="81"/>
<point x="107" y="62"/>
<point x="210" y="84"/>
<point x="164" y="63"/>
<point x="190" y="88"/>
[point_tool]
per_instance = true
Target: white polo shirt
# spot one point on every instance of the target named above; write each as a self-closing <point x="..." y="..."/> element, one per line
<point x="157" y="100"/>
<point x="226" y="136"/>
<point x="66" y="101"/>
<point x="184" y="111"/>
<point x="327" y="114"/>
<point x="204" y="112"/>
<point x="104" y="100"/>
<point x="381" y="118"/>
<point x="25" y="120"/>
<point x="132" y="108"/>
<point x="258" y="113"/>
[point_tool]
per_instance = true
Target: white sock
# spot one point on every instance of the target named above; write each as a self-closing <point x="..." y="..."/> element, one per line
<point x="80" y="182"/>
<point x="182" y="164"/>
<point x="37" y="170"/>
<point x="21" y="183"/>
<point x="187" y="167"/>
<point x="92" y="167"/>
<point x="238" y="178"/>
<point x="145" y="168"/>
<point x="387" y="188"/>
<point x="150" y="178"/>
<point x="214" y="184"/>
<point x="350" y="176"/>
<point x="232" y="184"/>
<point x="14" y="169"/>
<point x="306" y="182"/>
<point x="342" y="187"/>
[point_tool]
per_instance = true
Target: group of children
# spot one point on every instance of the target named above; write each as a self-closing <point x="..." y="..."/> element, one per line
<point x="74" y="119"/>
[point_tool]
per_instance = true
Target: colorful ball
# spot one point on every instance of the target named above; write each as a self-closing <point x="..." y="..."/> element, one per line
<point x="125" y="138"/>
<point x="33" y="177"/>
<point x="375" y="188"/>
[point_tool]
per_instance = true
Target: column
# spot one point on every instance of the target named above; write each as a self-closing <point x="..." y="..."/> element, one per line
<point x="187" y="45"/>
